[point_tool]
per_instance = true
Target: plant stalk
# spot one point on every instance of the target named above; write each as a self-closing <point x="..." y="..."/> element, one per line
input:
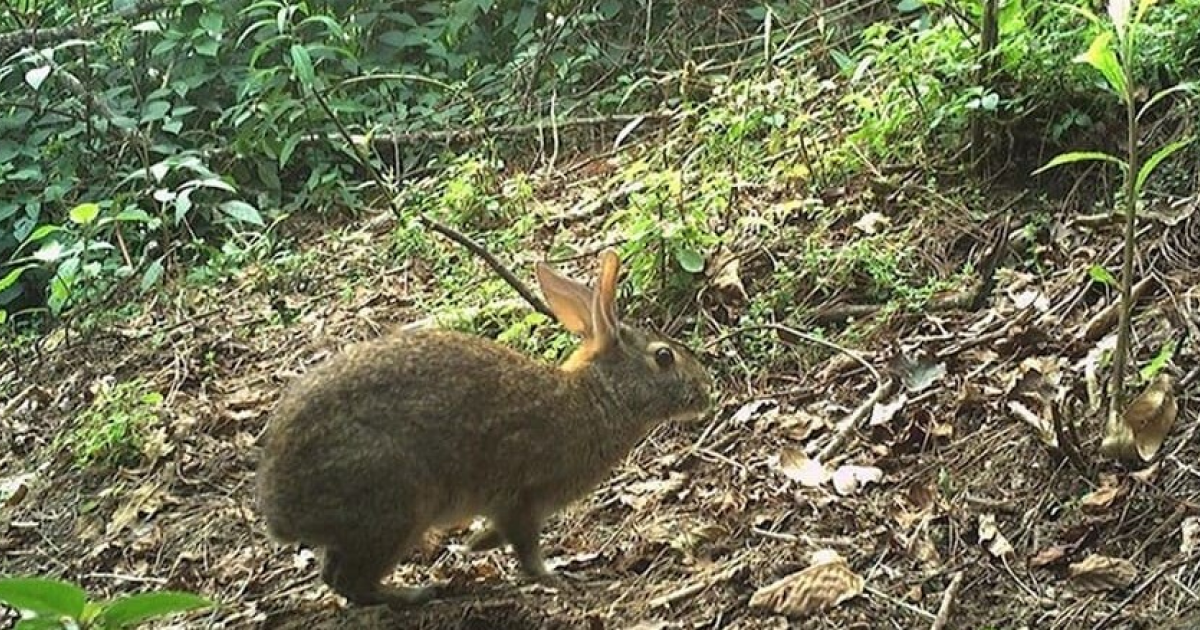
<point x="1124" y="325"/>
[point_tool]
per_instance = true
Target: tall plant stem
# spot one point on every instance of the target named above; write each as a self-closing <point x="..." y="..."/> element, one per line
<point x="1124" y="325"/>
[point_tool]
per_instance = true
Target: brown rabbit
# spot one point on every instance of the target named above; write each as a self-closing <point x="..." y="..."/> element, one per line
<point x="430" y="428"/>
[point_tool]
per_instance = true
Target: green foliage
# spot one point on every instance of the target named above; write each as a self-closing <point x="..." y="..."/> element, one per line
<point x="45" y="604"/>
<point x="112" y="430"/>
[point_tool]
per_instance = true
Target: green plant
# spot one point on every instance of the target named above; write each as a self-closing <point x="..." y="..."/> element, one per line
<point x="1116" y="63"/>
<point x="112" y="430"/>
<point x="45" y="604"/>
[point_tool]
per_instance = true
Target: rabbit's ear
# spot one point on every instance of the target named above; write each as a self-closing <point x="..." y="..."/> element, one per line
<point x="570" y="301"/>
<point x="604" y="301"/>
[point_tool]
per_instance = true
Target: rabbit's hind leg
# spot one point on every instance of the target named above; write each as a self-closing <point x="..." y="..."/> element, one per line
<point x="521" y="526"/>
<point x="356" y="571"/>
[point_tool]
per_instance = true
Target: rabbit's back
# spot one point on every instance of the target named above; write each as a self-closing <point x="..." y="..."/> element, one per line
<point x="431" y="423"/>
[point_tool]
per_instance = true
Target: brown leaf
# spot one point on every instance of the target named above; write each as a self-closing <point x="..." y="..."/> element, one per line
<point x="1097" y="573"/>
<point x="1190" y="535"/>
<point x="1048" y="556"/>
<point x="827" y="583"/>
<point x="143" y="500"/>
<point x="1098" y="500"/>
<point x="848" y="479"/>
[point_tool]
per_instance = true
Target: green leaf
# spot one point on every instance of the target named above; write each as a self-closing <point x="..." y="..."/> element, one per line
<point x="42" y="232"/>
<point x="3" y="316"/>
<point x="49" y="253"/>
<point x="40" y="623"/>
<point x="11" y="277"/>
<point x="1102" y="275"/>
<point x="1079" y="156"/>
<point x="302" y="65"/>
<point x="1100" y="56"/>
<point x="1159" y="361"/>
<point x="85" y="213"/>
<point x="242" y="211"/>
<point x="1153" y="161"/>
<point x="45" y="597"/>
<point x="690" y="260"/>
<point x="152" y="274"/>
<point x="135" y="609"/>
<point x="908" y="6"/>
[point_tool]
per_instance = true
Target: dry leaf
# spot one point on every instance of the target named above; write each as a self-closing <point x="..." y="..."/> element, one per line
<point x="1151" y="415"/>
<point x="144" y="500"/>
<point x="872" y="222"/>
<point x="989" y="533"/>
<point x="1097" y="573"/>
<point x="725" y="273"/>
<point x="1190" y="532"/>
<point x="1098" y="500"/>
<point x="848" y="479"/>
<point x="1048" y="556"/>
<point x="827" y="583"/>
<point x="14" y="489"/>
<point x="639" y="494"/>
<point x="883" y="413"/>
<point x="799" y="468"/>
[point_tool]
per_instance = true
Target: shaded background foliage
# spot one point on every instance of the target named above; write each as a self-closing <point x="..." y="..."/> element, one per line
<point x="185" y="132"/>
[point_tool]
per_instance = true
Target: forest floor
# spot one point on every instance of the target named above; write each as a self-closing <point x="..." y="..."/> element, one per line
<point x="701" y="515"/>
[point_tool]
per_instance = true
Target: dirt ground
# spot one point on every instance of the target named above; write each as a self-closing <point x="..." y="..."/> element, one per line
<point x="702" y="515"/>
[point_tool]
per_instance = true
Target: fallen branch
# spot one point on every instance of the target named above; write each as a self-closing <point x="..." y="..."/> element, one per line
<point x="698" y="586"/>
<point x="393" y="140"/>
<point x="947" y="607"/>
<point x="1102" y="322"/>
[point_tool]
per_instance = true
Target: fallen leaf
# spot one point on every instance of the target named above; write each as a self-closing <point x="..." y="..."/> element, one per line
<point x="872" y="222"/>
<point x="725" y="274"/>
<point x="825" y="584"/>
<point x="14" y="489"/>
<point x="1190" y="533"/>
<point x="1048" y="556"/>
<point x="1097" y="573"/>
<point x="848" y="479"/>
<point x="990" y="533"/>
<point x="798" y="467"/>
<point x="639" y="494"/>
<point x="754" y="408"/>
<point x="143" y="500"/>
<point x="1151" y="415"/>
<point x="882" y="413"/>
<point x="916" y="373"/>
<point x="1098" y="500"/>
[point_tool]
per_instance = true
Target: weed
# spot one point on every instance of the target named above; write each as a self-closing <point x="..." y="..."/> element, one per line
<point x="112" y="430"/>
<point x="46" y="603"/>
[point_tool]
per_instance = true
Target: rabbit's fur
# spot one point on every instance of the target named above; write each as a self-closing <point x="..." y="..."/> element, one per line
<point x="427" y="429"/>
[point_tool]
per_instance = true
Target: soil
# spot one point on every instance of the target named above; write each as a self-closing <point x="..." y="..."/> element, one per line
<point x="701" y="515"/>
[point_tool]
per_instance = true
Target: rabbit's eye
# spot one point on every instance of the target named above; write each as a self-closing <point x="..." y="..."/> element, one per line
<point x="664" y="357"/>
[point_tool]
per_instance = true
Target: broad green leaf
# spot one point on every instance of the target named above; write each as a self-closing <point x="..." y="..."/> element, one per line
<point x="908" y="6"/>
<point x="152" y="274"/>
<point x="1079" y="156"/>
<point x="302" y="65"/>
<point x="37" y="76"/>
<point x="1154" y="160"/>
<point x="136" y="609"/>
<point x="242" y="211"/>
<point x="3" y="316"/>
<point x="85" y="213"/>
<point x="1100" y="56"/>
<point x="1159" y="361"/>
<point x="1102" y="275"/>
<point x="690" y="260"/>
<point x="1186" y="86"/>
<point x="40" y="623"/>
<point x="43" y="596"/>
<point x="42" y="232"/>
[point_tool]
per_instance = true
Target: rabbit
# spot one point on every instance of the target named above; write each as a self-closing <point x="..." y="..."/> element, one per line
<point x="430" y="428"/>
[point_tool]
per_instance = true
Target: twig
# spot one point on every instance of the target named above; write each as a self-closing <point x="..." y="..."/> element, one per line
<point x="943" y="614"/>
<point x="697" y="586"/>
<point x="437" y="226"/>
<point x="476" y="133"/>
<point x="846" y="427"/>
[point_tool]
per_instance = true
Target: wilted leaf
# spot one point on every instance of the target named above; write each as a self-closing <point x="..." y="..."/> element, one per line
<point x="827" y="583"/>
<point x="639" y="494"/>
<point x="146" y="499"/>
<point x="848" y="479"/>
<point x="989" y="533"/>
<point x="752" y="409"/>
<point x="13" y="489"/>
<point x="1097" y="573"/>
<point x="797" y="466"/>
<point x="725" y="274"/>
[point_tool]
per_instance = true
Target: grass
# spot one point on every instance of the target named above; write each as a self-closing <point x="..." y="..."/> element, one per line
<point x="112" y="430"/>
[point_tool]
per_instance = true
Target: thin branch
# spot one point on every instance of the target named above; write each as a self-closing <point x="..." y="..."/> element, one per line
<point x="947" y="607"/>
<point x="437" y="226"/>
